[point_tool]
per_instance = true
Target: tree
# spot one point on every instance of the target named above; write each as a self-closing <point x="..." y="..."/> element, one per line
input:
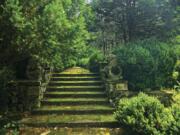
<point x="54" y="30"/>
<point x="127" y="20"/>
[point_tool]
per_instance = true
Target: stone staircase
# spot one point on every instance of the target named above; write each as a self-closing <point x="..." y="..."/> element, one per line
<point x="74" y="98"/>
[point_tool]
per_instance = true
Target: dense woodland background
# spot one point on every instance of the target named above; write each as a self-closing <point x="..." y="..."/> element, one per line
<point x="143" y="34"/>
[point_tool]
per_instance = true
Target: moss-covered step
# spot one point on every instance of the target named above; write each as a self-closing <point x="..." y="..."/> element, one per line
<point x="79" y="109"/>
<point x="75" y="101"/>
<point x="75" y="83"/>
<point x="70" y="121"/>
<point x="75" y="94"/>
<point x="76" y="70"/>
<point x="84" y="78"/>
<point x="75" y="88"/>
<point x="74" y="75"/>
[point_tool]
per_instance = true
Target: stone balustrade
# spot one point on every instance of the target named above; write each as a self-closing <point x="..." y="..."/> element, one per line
<point x="111" y="74"/>
<point x="25" y="95"/>
<point x="117" y="88"/>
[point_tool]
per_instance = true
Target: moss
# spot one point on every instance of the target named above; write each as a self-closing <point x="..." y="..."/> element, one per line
<point x="76" y="70"/>
<point x="75" y="99"/>
<point x="77" y="82"/>
<point x="76" y="87"/>
<point x="76" y="131"/>
<point x="76" y="93"/>
<point x="79" y="77"/>
<point x="69" y="118"/>
<point x="78" y="107"/>
<point x="98" y="111"/>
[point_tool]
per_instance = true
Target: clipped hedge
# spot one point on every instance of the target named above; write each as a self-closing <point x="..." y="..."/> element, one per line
<point x="147" y="64"/>
<point x="146" y="115"/>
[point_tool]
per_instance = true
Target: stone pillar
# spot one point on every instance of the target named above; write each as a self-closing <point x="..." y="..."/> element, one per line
<point x="24" y="95"/>
<point x="111" y="74"/>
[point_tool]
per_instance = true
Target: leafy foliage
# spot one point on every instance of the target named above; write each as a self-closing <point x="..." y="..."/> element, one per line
<point x="9" y="126"/>
<point x="176" y="76"/>
<point x="95" y="60"/>
<point x="53" y="30"/>
<point x="147" y="63"/>
<point x="123" y="21"/>
<point x="146" y="115"/>
<point x="176" y="114"/>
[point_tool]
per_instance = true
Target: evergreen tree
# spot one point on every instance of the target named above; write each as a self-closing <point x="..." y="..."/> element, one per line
<point x="55" y="31"/>
<point x="128" y="20"/>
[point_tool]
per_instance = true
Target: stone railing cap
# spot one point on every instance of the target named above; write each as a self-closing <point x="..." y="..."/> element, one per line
<point x="26" y="82"/>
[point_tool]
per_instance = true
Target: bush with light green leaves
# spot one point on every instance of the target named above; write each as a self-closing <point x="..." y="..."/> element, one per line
<point x="94" y="60"/>
<point x="146" y="115"/>
<point x="176" y="76"/>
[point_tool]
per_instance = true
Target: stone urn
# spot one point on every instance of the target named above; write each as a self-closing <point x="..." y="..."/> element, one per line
<point x="112" y="71"/>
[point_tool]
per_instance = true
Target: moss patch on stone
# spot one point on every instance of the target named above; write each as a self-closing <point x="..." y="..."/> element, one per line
<point x="78" y="107"/>
<point x="75" y="99"/>
<point x="68" y="118"/>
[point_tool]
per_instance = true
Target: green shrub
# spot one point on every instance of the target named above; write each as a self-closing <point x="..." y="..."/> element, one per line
<point x="94" y="61"/>
<point x="90" y="58"/>
<point x="83" y="62"/>
<point x="145" y="115"/>
<point x="175" y="128"/>
<point x="146" y="64"/>
<point x="176" y="73"/>
<point x="176" y="97"/>
<point x="59" y="39"/>
<point x="6" y="74"/>
<point x="9" y="127"/>
<point x="176" y="76"/>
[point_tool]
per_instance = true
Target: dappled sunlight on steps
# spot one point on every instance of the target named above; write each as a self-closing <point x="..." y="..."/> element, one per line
<point x="74" y="98"/>
<point x="76" y="70"/>
<point x="73" y="131"/>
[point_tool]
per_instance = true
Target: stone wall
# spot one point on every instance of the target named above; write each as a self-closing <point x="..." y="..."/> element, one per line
<point x="25" y="95"/>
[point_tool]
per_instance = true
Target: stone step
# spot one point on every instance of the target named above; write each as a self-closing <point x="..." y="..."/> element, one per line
<point x="74" y="75"/>
<point x="75" y="83"/>
<point x="70" y="121"/>
<point x="79" y="109"/>
<point x="75" y="101"/>
<point x="75" y="88"/>
<point x="92" y="94"/>
<point x="75" y="78"/>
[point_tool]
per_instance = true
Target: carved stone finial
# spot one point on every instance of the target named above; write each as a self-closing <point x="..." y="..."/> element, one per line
<point x="113" y="70"/>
